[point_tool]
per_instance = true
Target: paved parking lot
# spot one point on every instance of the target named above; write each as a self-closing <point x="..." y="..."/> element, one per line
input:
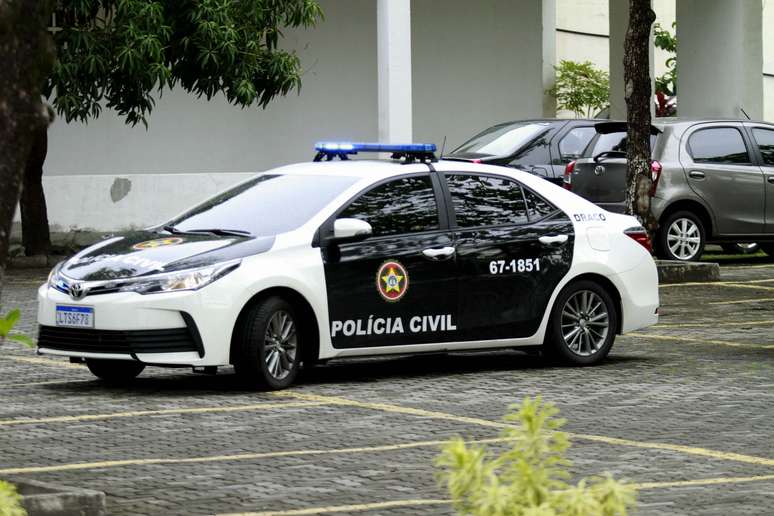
<point x="684" y="409"/>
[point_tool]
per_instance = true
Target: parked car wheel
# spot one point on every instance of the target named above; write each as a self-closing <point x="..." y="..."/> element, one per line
<point x="741" y="248"/>
<point x="115" y="371"/>
<point x="269" y="356"/>
<point x="582" y="325"/>
<point x="681" y="237"/>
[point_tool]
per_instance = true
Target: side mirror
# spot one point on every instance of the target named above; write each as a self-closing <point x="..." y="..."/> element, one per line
<point x="351" y="229"/>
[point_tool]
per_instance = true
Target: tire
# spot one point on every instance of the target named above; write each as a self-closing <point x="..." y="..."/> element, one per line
<point x="741" y="248"/>
<point x="681" y="237"/>
<point x="115" y="372"/>
<point x="269" y="355"/>
<point x="583" y="324"/>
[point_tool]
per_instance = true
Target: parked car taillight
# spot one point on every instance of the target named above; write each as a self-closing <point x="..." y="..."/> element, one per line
<point x="639" y="235"/>
<point x="567" y="179"/>
<point x="655" y="175"/>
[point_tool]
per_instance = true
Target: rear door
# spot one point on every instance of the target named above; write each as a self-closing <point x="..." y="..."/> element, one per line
<point x="398" y="286"/>
<point x="718" y="161"/>
<point x="763" y="139"/>
<point x="513" y="248"/>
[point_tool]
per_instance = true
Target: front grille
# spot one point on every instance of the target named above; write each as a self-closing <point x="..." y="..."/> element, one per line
<point x="112" y="341"/>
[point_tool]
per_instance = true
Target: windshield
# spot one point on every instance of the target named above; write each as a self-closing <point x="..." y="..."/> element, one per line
<point x="266" y="205"/>
<point x="613" y="142"/>
<point x="501" y="140"/>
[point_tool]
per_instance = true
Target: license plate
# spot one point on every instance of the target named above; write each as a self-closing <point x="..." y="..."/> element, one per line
<point x="75" y="316"/>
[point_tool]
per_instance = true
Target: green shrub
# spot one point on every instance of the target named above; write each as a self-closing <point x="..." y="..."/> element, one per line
<point x="6" y="326"/>
<point x="580" y="88"/>
<point x="529" y="479"/>
<point x="10" y="500"/>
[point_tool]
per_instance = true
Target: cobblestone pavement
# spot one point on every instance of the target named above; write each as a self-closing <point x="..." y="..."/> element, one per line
<point x="686" y="409"/>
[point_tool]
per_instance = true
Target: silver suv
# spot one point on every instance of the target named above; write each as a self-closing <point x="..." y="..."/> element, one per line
<point x="714" y="181"/>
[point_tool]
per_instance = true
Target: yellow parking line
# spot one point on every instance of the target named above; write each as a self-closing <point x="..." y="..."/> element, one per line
<point x="242" y="456"/>
<point x="702" y="341"/>
<point x="689" y="450"/>
<point x="138" y="413"/>
<point x="741" y="301"/>
<point x="42" y="361"/>
<point x="420" y="502"/>
<point x="716" y="324"/>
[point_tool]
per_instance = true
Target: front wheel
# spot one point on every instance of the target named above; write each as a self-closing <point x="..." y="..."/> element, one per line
<point x="115" y="372"/>
<point x="583" y="323"/>
<point x="269" y="354"/>
<point x="681" y="237"/>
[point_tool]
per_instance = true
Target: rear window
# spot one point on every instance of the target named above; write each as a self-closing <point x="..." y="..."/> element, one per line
<point x="613" y="142"/>
<point x="718" y="145"/>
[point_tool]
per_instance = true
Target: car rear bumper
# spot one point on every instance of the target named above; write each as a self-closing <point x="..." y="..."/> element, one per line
<point x="639" y="295"/>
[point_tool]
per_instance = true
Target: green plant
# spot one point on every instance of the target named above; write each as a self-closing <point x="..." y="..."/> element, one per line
<point x="10" y="500"/>
<point x="530" y="478"/>
<point x="580" y="87"/>
<point x="666" y="41"/>
<point x="6" y="327"/>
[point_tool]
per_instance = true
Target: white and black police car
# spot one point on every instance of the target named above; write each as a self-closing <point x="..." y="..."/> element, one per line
<point x="344" y="258"/>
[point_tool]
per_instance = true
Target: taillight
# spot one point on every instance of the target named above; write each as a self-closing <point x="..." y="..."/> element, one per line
<point x="475" y="160"/>
<point x="639" y="235"/>
<point x="567" y="179"/>
<point x="655" y="175"/>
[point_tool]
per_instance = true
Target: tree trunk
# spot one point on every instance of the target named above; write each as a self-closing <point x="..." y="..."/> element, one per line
<point x="26" y="56"/>
<point x="638" y="100"/>
<point x="34" y="216"/>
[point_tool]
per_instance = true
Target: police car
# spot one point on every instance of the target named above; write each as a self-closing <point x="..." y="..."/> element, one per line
<point x="343" y="258"/>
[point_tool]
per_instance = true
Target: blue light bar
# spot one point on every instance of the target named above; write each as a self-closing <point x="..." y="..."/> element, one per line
<point x="354" y="148"/>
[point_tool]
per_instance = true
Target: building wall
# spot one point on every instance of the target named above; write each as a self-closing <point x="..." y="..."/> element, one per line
<point x="474" y="67"/>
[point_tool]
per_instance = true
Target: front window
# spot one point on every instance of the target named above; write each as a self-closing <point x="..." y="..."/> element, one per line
<point x="501" y="140"/>
<point x="266" y="205"/>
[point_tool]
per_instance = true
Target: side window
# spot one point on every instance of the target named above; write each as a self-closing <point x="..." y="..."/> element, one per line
<point x="405" y="205"/>
<point x="537" y="207"/>
<point x="572" y="145"/>
<point x="718" y="145"/>
<point x="765" y="140"/>
<point x="486" y="201"/>
<point x="535" y="152"/>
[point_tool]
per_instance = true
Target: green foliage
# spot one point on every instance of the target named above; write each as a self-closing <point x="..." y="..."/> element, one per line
<point x="10" y="500"/>
<point x="118" y="52"/>
<point x="529" y="479"/>
<point x="667" y="41"/>
<point x="580" y="87"/>
<point x="6" y="327"/>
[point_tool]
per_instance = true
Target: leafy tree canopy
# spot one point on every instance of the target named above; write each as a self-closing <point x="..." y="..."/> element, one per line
<point x="580" y="88"/>
<point x="118" y="53"/>
<point x="666" y="41"/>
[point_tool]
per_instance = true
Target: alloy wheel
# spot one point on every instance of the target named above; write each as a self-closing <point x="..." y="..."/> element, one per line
<point x="280" y="345"/>
<point x="684" y="239"/>
<point x="585" y="323"/>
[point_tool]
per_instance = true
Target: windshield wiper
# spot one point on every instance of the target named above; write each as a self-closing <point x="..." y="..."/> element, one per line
<point x="214" y="231"/>
<point x="172" y="229"/>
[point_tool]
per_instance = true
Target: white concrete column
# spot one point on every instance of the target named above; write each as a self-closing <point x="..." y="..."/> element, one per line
<point x="619" y="23"/>
<point x="720" y="58"/>
<point x="393" y="28"/>
<point x="548" y="15"/>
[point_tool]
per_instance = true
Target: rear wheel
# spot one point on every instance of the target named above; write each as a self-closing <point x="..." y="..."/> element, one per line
<point x="115" y="371"/>
<point x="583" y="324"/>
<point x="741" y="248"/>
<point x="269" y="354"/>
<point x="681" y="237"/>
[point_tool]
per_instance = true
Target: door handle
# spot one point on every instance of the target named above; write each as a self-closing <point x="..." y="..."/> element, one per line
<point x="553" y="240"/>
<point x="696" y="174"/>
<point x="770" y="179"/>
<point x="443" y="253"/>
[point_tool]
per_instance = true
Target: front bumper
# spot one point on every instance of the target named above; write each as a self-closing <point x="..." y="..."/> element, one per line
<point x="177" y="328"/>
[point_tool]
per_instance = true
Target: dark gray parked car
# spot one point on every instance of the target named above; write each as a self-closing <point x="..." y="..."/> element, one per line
<point x="714" y="181"/>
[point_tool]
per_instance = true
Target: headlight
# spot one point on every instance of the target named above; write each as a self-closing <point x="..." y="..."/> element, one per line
<point x="53" y="276"/>
<point x="192" y="279"/>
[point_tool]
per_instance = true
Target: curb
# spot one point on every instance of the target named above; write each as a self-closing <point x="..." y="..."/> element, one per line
<point x="673" y="271"/>
<point x="44" y="499"/>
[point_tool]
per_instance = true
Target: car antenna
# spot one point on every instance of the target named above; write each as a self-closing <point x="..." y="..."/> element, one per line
<point x="443" y="146"/>
<point x="744" y="112"/>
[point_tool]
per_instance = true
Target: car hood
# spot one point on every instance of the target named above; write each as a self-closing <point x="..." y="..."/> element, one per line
<point x="143" y="253"/>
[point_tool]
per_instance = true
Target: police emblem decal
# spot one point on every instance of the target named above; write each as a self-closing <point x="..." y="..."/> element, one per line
<point x="392" y="281"/>
<point x="159" y="242"/>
